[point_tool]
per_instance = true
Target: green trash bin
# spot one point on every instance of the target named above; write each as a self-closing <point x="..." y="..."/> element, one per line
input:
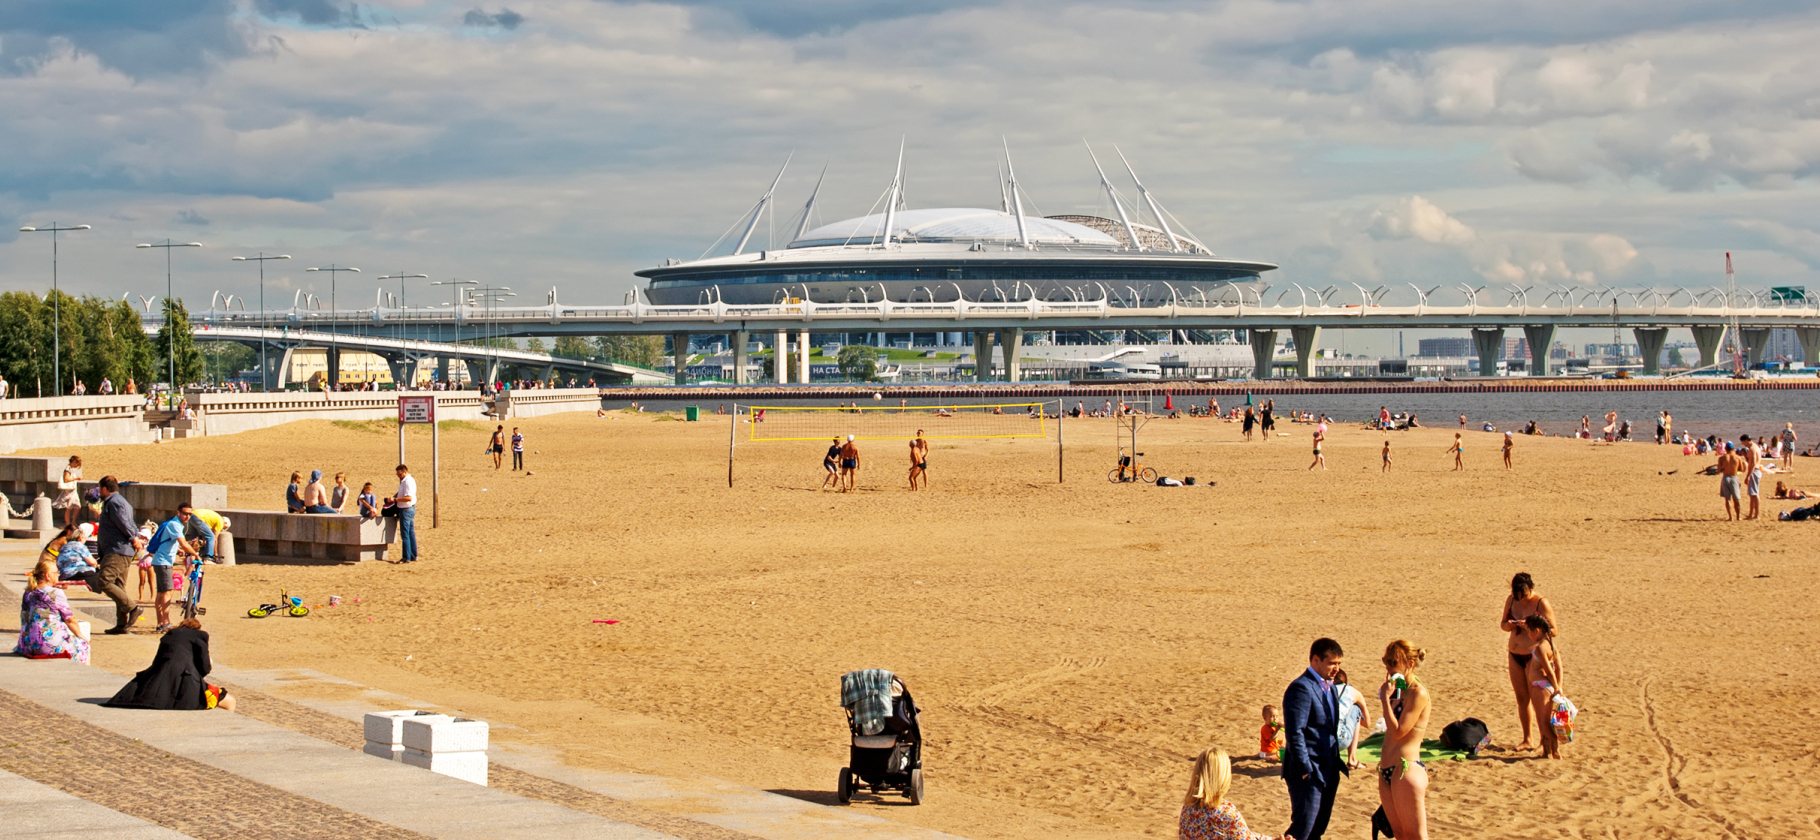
<point x="692" y="413"/>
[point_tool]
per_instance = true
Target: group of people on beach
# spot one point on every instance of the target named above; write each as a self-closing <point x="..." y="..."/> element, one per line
<point x="1321" y="727"/>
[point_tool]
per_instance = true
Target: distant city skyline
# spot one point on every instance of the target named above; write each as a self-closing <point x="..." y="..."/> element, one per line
<point x="568" y="143"/>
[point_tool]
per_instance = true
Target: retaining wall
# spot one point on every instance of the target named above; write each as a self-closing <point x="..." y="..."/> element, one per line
<point x="72" y="421"/>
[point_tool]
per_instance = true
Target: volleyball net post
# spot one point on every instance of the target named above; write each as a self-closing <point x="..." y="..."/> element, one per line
<point x="947" y="421"/>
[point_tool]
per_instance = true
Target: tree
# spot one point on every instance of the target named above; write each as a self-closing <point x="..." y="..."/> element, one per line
<point x="573" y="347"/>
<point x="645" y="351"/>
<point x="535" y="345"/>
<point x="136" y="358"/>
<point x="25" y="338"/>
<point x="858" y="363"/>
<point x="177" y="335"/>
<point x="1674" y="358"/>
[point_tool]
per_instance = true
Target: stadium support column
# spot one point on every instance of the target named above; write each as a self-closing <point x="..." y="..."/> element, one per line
<point x="679" y="347"/>
<point x="1263" y="351"/>
<point x="739" y="357"/>
<point x="1011" y="346"/>
<point x="1755" y="340"/>
<point x="780" y="358"/>
<point x="1489" y="341"/>
<point x="1810" y="345"/>
<point x="1305" y="338"/>
<point x="1709" y="339"/>
<point x="982" y="356"/>
<point x="1649" y="343"/>
<point x="1541" y="339"/>
<point x="802" y="356"/>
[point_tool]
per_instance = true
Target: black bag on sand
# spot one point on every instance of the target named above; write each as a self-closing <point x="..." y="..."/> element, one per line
<point x="1470" y="735"/>
<point x="1380" y="824"/>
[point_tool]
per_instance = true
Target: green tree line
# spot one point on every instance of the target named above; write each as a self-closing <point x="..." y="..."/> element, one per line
<point x="100" y="339"/>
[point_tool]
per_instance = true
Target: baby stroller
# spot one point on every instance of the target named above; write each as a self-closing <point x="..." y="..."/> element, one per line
<point x="886" y="749"/>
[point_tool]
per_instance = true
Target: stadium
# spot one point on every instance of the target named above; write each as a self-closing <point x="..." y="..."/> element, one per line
<point x="980" y="255"/>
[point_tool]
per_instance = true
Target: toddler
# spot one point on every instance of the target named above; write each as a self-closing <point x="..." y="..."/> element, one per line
<point x="1270" y="736"/>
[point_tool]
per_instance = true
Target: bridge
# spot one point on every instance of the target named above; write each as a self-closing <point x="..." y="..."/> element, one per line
<point x="401" y="355"/>
<point x="1303" y="312"/>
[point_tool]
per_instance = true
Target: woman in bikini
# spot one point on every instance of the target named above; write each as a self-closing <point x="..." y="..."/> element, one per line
<point x="1522" y="603"/>
<point x="1402" y="778"/>
<point x="1544" y="675"/>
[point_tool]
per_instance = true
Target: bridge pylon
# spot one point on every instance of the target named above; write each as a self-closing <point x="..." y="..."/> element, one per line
<point x="1541" y="339"/>
<point x="1709" y="339"/>
<point x="1263" y="352"/>
<point x="1489" y="341"/>
<point x="1649" y="343"/>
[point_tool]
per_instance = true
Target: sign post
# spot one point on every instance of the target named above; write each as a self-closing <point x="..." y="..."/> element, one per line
<point x="423" y="410"/>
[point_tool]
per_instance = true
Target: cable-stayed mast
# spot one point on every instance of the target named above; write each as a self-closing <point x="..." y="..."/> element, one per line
<point x="897" y="186"/>
<point x="809" y="205"/>
<point x="759" y="208"/>
<point x="1113" y="194"/>
<point x="1017" y="201"/>
<point x="1151" y="203"/>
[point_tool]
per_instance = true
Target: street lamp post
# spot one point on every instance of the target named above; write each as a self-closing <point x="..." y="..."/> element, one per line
<point x="401" y="277"/>
<point x="455" y="302"/>
<point x="265" y="373"/>
<point x="492" y="295"/>
<point x="56" y="305"/>
<point x="170" y="334"/>
<point x="334" y="320"/>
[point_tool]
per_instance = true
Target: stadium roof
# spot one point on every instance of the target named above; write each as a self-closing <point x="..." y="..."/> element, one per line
<point x="952" y="224"/>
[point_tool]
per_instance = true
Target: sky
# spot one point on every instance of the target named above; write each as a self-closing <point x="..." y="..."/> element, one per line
<point x="562" y="145"/>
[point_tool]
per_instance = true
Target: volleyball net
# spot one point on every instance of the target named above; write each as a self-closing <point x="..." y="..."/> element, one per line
<point x="890" y="422"/>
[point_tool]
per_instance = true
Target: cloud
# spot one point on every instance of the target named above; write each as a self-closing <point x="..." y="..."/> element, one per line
<point x="191" y="217"/>
<point x="137" y="38"/>
<point x="504" y="19"/>
<point x="797" y="18"/>
<point x="1417" y="217"/>
<point x="312" y="12"/>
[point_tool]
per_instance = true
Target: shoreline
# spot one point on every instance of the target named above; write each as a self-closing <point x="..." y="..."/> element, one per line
<point x="1189" y="388"/>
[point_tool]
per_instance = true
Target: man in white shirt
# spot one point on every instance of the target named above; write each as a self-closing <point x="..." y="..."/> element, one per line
<point x="405" y="499"/>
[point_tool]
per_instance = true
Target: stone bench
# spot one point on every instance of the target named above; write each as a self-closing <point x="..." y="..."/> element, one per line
<point x="276" y="537"/>
<point x="158" y="501"/>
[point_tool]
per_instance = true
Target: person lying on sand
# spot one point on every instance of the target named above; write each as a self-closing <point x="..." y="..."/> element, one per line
<point x="1783" y="491"/>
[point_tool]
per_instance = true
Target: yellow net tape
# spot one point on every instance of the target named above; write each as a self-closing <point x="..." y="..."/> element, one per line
<point x="877" y="422"/>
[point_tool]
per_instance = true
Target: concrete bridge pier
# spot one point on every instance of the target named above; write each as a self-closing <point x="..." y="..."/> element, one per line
<point x="482" y="371"/>
<point x="1489" y="341"/>
<point x="1709" y="340"/>
<point x="1263" y="352"/>
<point x="280" y="359"/>
<point x="982" y="356"/>
<point x="1810" y="345"/>
<point x="802" y="356"/>
<point x="442" y="369"/>
<point x="333" y="358"/>
<point x="1011" y="347"/>
<point x="780" y="358"/>
<point x="679" y="348"/>
<point x="738" y="340"/>
<point x="1541" y="339"/>
<point x="1649" y="343"/>
<point x="1304" y="338"/>
<point x="404" y="370"/>
<point x="1756" y="339"/>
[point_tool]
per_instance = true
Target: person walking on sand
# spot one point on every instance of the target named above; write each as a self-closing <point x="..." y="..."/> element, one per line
<point x="116" y="538"/>
<point x="1402" y="777"/>
<point x="1788" y="445"/>
<point x="1311" y="755"/>
<point x="518" y="450"/>
<point x="849" y="464"/>
<point x="1320" y="436"/>
<point x="831" y="465"/>
<point x="1509" y="442"/>
<point x="919" y="461"/>
<point x="1386" y="467"/>
<point x="1267" y="419"/>
<point x="1753" y="471"/>
<point x="1522" y="603"/>
<point x="496" y="446"/>
<point x="1459" y="452"/>
<point x="1250" y="420"/>
<point x="405" y="500"/>
<point x="1664" y="428"/>
<point x="1730" y="490"/>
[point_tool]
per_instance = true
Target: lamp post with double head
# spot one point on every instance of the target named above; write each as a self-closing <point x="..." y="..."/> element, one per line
<point x="170" y="331"/>
<point x="261" y="257"/>
<point x="56" y="304"/>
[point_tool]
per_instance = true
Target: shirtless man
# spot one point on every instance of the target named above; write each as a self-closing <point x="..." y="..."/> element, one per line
<point x="1729" y="490"/>
<point x="497" y="446"/>
<point x="1753" y="471"/>
<point x="919" y="461"/>
<point x="849" y="464"/>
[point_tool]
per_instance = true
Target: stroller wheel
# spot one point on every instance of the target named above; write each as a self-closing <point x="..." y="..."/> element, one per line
<point x="844" y="791"/>
<point x="916" y="787"/>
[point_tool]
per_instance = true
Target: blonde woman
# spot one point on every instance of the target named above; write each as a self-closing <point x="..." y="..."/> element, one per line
<point x="47" y="627"/>
<point x="1206" y="815"/>
<point x="1402" y="778"/>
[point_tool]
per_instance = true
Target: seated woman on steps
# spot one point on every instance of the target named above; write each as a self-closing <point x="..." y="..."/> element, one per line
<point x="47" y="627"/>
<point x="174" y="680"/>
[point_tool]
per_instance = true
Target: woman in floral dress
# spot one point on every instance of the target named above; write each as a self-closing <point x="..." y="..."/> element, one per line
<point x="47" y="627"/>
<point x="1206" y="815"/>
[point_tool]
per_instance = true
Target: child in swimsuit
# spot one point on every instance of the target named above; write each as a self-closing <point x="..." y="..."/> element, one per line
<point x="1270" y="736"/>
<point x="1542" y="667"/>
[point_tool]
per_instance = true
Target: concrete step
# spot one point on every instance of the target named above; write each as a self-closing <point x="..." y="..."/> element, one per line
<point x="32" y="811"/>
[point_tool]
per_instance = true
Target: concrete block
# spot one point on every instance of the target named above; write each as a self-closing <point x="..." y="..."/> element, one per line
<point x="386" y="727"/>
<point x="389" y="752"/>
<point x="446" y="735"/>
<point x="466" y="766"/>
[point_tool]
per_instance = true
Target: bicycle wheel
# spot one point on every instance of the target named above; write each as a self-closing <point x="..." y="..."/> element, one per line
<point x="298" y="611"/>
<point x="1149" y="476"/>
<point x="260" y="611"/>
<point x="1115" y="476"/>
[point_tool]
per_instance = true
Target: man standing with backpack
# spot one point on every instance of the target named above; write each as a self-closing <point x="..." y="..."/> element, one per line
<point x="166" y="543"/>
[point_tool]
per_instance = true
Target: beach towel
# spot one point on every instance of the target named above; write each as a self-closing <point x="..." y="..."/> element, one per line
<point x="868" y="694"/>
<point x="1372" y="748"/>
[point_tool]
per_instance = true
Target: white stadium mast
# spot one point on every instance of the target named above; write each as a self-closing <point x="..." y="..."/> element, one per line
<point x="1174" y="245"/>
<point x="759" y="209"/>
<point x="809" y="205"/>
<point x="897" y="186"/>
<point x="1017" y="200"/>
<point x="1112" y="194"/>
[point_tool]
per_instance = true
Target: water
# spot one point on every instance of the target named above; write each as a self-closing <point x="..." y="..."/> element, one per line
<point x="1724" y="413"/>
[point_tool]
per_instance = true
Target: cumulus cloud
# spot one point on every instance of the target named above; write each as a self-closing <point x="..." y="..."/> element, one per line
<point x="1417" y="217"/>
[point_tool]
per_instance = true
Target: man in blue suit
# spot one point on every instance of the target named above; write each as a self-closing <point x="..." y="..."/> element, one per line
<point x="1311" y="761"/>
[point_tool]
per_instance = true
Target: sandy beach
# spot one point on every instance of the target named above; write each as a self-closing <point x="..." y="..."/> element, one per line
<point x="1073" y="645"/>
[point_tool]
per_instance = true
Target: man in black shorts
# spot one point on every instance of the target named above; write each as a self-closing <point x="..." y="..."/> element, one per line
<point x="497" y="446"/>
<point x="849" y="463"/>
<point x="831" y="465"/>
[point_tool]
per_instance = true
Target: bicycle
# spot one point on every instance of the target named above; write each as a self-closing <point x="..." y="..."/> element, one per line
<point x="192" y="592"/>
<point x="1131" y="469"/>
<point x="288" y="605"/>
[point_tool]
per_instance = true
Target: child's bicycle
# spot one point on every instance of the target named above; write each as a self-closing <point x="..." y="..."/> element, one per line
<point x="192" y="594"/>
<point x="290" y="606"/>
<point x="1131" y="468"/>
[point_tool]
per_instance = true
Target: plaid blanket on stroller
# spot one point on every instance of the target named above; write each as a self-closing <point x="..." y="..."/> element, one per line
<point x="868" y="694"/>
